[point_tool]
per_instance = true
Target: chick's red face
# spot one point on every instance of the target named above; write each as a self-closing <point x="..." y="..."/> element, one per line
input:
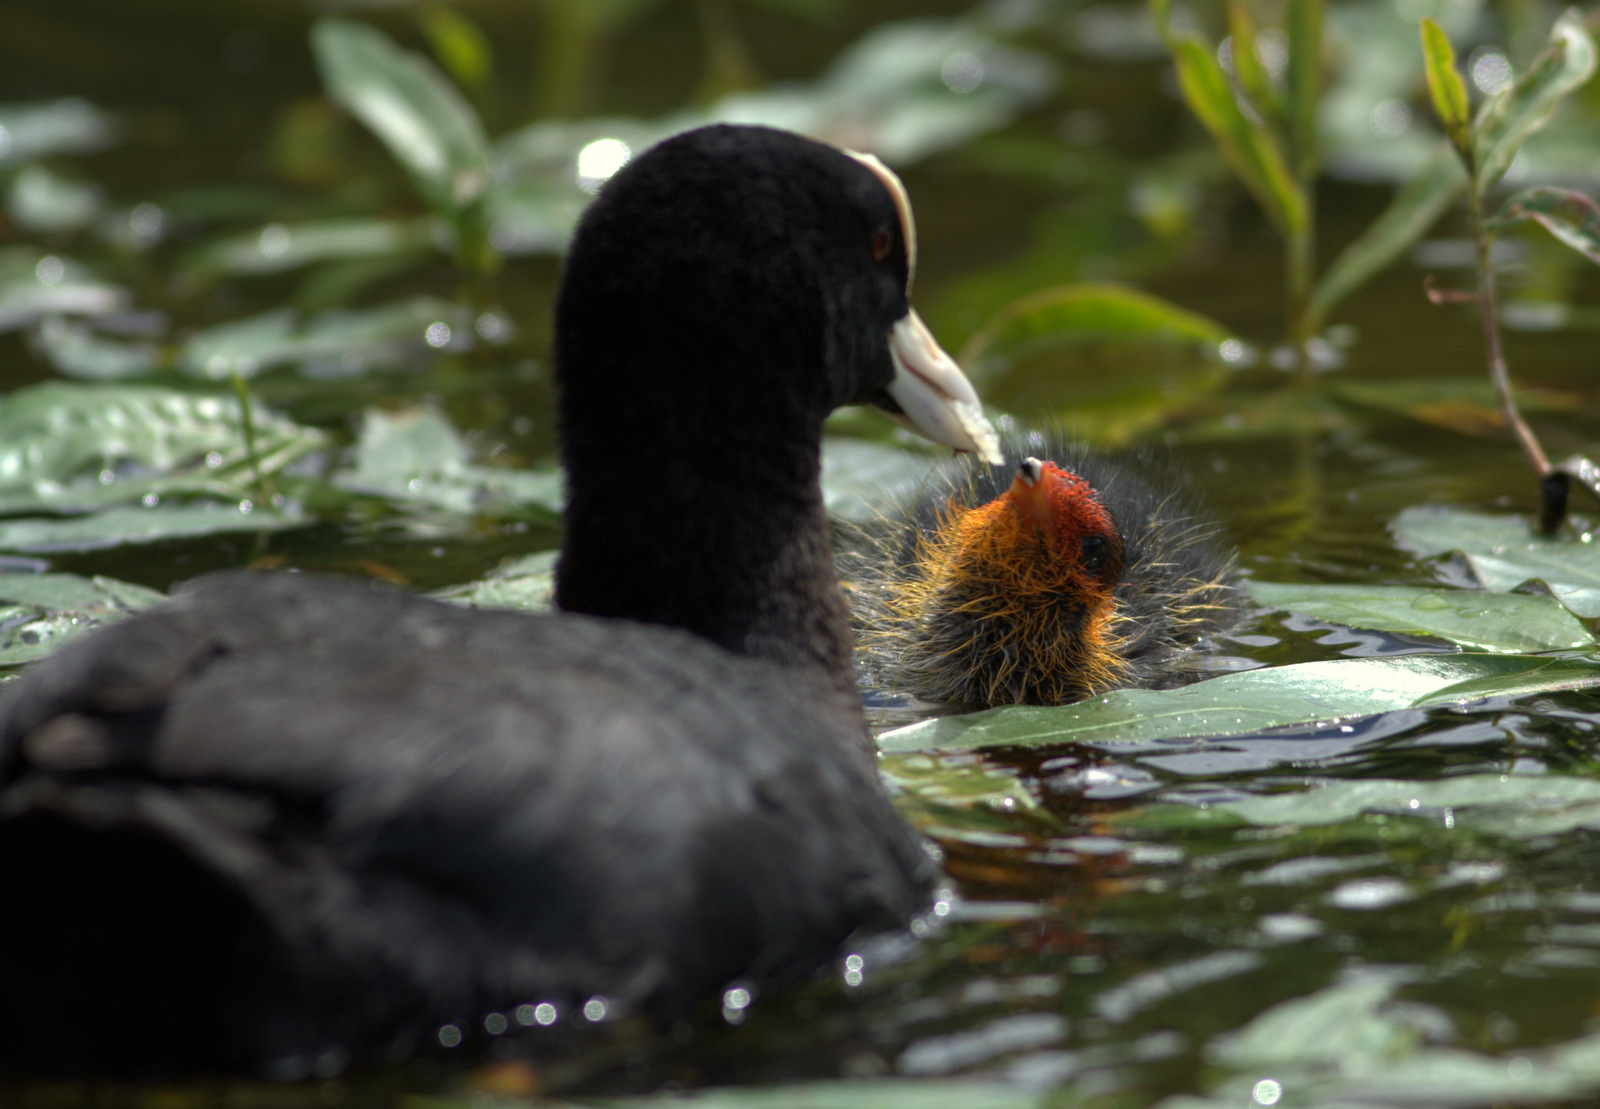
<point x="1062" y="510"/>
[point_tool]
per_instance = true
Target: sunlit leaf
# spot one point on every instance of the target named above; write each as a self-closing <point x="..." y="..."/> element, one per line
<point x="1504" y="552"/>
<point x="34" y="285"/>
<point x="1247" y="66"/>
<point x="1478" y="620"/>
<point x="66" y="448"/>
<point x="426" y="124"/>
<point x="1089" y="313"/>
<point x="414" y="456"/>
<point x="1506" y="119"/>
<point x="67" y="126"/>
<point x="525" y="584"/>
<point x="1414" y="210"/>
<point x="339" y="343"/>
<point x="45" y="610"/>
<point x="1446" y="88"/>
<point x="1250" y="702"/>
<point x="1570" y="216"/>
<point x="279" y="247"/>
<point x="1249" y="147"/>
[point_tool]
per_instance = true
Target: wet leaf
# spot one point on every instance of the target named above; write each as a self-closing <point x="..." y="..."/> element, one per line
<point x="34" y="285"/>
<point x="1089" y="313"/>
<point x="45" y="610"/>
<point x="1506" y="119"/>
<point x="426" y="124"/>
<point x="414" y="456"/>
<point x="525" y="584"/>
<point x="73" y="448"/>
<point x="1414" y="210"/>
<point x="1249" y="147"/>
<point x="1446" y="88"/>
<point x="117" y="526"/>
<point x="1570" y="216"/>
<point x="66" y="126"/>
<point x="338" y="343"/>
<point x="862" y="480"/>
<point x="1504" y="552"/>
<point x="1477" y="620"/>
<point x="278" y="247"/>
<point x="1253" y="701"/>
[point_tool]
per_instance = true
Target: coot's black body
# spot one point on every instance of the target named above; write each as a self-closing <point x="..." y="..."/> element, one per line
<point x="282" y="822"/>
<point x="948" y="641"/>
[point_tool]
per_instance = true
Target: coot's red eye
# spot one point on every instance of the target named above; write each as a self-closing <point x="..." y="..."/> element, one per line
<point x="880" y="244"/>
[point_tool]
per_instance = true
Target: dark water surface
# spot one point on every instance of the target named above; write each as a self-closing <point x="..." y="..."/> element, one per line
<point x="1103" y="940"/>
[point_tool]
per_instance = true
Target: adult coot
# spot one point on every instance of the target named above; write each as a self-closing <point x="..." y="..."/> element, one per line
<point x="282" y="822"/>
<point x="1038" y="582"/>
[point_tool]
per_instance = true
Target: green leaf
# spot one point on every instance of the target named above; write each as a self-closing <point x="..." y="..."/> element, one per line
<point x="45" y="610"/>
<point x="67" y="126"/>
<point x="1504" y="552"/>
<point x="46" y="202"/>
<point x="862" y="480"/>
<point x="1304" y="79"/>
<point x="426" y="124"/>
<point x="1254" y="80"/>
<point x="77" y="351"/>
<point x="34" y="285"/>
<point x="1506" y="119"/>
<point x="66" y="447"/>
<point x="278" y="247"/>
<point x="1447" y="89"/>
<point x="1415" y="208"/>
<point x="459" y="44"/>
<point x="117" y="526"/>
<point x="1477" y="620"/>
<point x="1570" y="216"/>
<point x="1249" y="147"/>
<point x="1255" y="700"/>
<point x="1468" y="405"/>
<point x="525" y="584"/>
<point x="1088" y="313"/>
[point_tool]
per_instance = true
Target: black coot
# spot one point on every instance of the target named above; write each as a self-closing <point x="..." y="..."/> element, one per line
<point x="282" y="822"/>
<point x="1059" y="575"/>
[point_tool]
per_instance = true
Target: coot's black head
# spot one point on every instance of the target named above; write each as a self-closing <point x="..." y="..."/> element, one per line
<point x="740" y="283"/>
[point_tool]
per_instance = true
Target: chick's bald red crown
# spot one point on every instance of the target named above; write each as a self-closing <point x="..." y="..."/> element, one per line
<point x="1065" y="510"/>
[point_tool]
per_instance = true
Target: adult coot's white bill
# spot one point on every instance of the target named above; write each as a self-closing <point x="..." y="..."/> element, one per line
<point x="281" y="822"/>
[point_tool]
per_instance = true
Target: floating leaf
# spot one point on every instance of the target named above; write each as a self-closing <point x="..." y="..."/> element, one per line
<point x="525" y="584"/>
<point x="426" y="124"/>
<point x="1250" y="702"/>
<point x="1504" y="552"/>
<point x="66" y="448"/>
<point x="1414" y="210"/>
<point x="1445" y="86"/>
<point x="1478" y="620"/>
<point x="278" y="247"/>
<point x="862" y="480"/>
<point x="117" y="526"/>
<point x="1089" y="313"/>
<point x="1570" y="216"/>
<point x="1506" y="119"/>
<point x="1249" y="147"/>
<point x="45" y="610"/>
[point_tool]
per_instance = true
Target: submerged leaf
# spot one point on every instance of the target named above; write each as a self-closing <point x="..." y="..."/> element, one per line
<point x="1504" y="552"/>
<point x="1255" y="700"/>
<point x="1477" y="620"/>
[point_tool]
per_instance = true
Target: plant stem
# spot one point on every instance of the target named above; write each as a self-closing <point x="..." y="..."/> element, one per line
<point x="1299" y="251"/>
<point x="247" y="422"/>
<point x="1492" y="350"/>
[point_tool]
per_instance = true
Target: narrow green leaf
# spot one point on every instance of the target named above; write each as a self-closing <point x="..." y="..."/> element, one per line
<point x="1249" y="147"/>
<point x="1505" y="120"/>
<point x="1570" y="216"/>
<point x="1476" y="619"/>
<point x="427" y="125"/>
<point x="278" y="247"/>
<point x="1446" y="87"/>
<point x="1254" y="79"/>
<point x="1305" y="18"/>
<point x="1084" y="313"/>
<point x="459" y="44"/>
<point x="1250" y="702"/>
<point x="1415" y="209"/>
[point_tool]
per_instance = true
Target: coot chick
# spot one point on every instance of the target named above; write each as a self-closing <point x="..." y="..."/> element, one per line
<point x="282" y="823"/>
<point x="1056" y="576"/>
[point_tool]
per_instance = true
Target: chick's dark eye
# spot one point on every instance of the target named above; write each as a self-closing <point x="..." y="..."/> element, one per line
<point x="881" y="241"/>
<point x="1095" y="551"/>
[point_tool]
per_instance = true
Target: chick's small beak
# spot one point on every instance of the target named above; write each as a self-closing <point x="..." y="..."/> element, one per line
<point x="934" y="395"/>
